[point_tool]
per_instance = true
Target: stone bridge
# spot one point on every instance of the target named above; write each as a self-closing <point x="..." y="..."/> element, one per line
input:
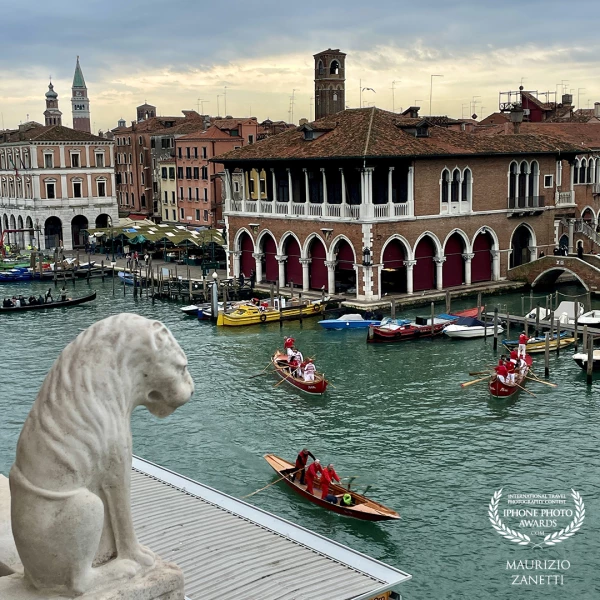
<point x="548" y="269"/>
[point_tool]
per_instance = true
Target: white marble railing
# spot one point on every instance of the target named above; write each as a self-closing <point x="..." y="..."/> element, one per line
<point x="564" y="198"/>
<point x="390" y="211"/>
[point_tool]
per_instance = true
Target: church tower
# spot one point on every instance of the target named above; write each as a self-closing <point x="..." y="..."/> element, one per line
<point x="52" y="115"/>
<point x="330" y="82"/>
<point x="80" y="102"/>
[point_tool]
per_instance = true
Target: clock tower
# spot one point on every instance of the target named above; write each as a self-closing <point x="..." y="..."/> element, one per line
<point x="80" y="102"/>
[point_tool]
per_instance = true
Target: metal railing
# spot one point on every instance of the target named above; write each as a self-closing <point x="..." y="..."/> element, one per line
<point x="526" y="202"/>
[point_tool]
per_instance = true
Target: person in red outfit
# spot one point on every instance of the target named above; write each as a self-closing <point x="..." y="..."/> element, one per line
<point x="501" y="372"/>
<point x="300" y="467"/>
<point x="523" y="339"/>
<point x="327" y="476"/>
<point x="311" y="473"/>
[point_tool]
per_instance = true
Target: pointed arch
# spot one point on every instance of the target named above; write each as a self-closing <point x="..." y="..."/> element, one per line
<point x="310" y="238"/>
<point x="266" y="244"/>
<point x="427" y="249"/>
<point x="290" y="246"/>
<point x="445" y="186"/>
<point x="455" y="185"/>
<point x="485" y="241"/>
<point x="400" y="238"/>
<point x="334" y="67"/>
<point x="332" y="248"/>
<point x="582" y="170"/>
<point x="436" y="242"/>
<point x="394" y="254"/>
<point x="284" y="240"/>
<point x="342" y="251"/>
<point x="462" y="234"/>
<point x="456" y="245"/>
<point x="238" y="235"/>
<point x="588" y="210"/>
<point x="244" y="243"/>
<point x="315" y="248"/>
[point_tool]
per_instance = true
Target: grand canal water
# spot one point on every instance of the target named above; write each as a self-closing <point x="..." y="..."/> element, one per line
<point x="397" y="418"/>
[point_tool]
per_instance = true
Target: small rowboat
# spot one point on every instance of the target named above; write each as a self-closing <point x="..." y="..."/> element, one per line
<point x="505" y="390"/>
<point x="361" y="508"/>
<point x="537" y="345"/>
<point x="591" y="318"/>
<point x="468" y="328"/>
<point x="280" y="362"/>
<point x="353" y="321"/>
<point x="57" y="304"/>
<point x="249" y="314"/>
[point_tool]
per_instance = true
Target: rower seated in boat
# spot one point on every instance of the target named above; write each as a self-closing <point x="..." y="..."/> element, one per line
<point x="501" y="372"/>
<point x="309" y="370"/>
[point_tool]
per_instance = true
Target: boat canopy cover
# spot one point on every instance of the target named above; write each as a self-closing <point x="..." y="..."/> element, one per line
<point x="469" y="322"/>
<point x="350" y="318"/>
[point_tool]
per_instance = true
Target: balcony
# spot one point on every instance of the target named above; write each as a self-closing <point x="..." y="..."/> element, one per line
<point x="564" y="198"/>
<point x="596" y="189"/>
<point x="526" y="202"/>
<point x="321" y="211"/>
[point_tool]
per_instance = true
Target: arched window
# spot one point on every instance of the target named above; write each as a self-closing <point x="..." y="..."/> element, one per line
<point x="466" y="186"/>
<point x="522" y="191"/>
<point x="334" y="68"/>
<point x="445" y="184"/>
<point x="582" y="170"/>
<point x="590" y="167"/>
<point x="576" y="171"/>
<point x="512" y="180"/>
<point x="455" y="188"/>
<point x="321" y="68"/>
<point x="534" y="173"/>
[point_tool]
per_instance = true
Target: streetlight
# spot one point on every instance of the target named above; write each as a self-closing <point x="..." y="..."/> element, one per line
<point x="393" y="99"/>
<point x="431" y="90"/>
<point x="112" y="239"/>
<point x="367" y="262"/>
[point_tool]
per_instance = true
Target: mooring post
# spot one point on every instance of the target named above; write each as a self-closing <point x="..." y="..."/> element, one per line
<point x="530" y="300"/>
<point x="495" y="329"/>
<point x="584" y="339"/>
<point x="522" y="304"/>
<point x="547" y="309"/>
<point x="547" y="356"/>
<point x="556" y="300"/>
<point x="507" y="324"/>
<point x="272" y="296"/>
<point x="588" y="301"/>
<point x="152" y="275"/>
<point x="537" y="320"/>
<point x="575" y="334"/>
<point x="432" y="318"/>
<point x="113" y="279"/>
<point x="526" y="326"/>
<point x="557" y="337"/>
<point x="102" y="266"/>
<point x="485" y="328"/>
<point x="448" y="301"/>
<point x="478" y="305"/>
<point x="393" y="308"/>
<point x="590" y="360"/>
<point x="135" y="290"/>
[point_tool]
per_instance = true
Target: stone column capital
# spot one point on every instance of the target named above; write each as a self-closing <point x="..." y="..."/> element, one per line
<point x="258" y="255"/>
<point x="468" y="256"/>
<point x="495" y="253"/>
<point x="330" y="264"/>
<point x="281" y="258"/>
<point x="409" y="264"/>
<point x="235" y="253"/>
<point x="440" y="260"/>
<point x="305" y="261"/>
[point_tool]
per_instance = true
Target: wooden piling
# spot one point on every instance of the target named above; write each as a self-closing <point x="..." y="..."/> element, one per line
<point x="526" y="326"/>
<point x="495" y="329"/>
<point x="479" y="305"/>
<point x="393" y="308"/>
<point x="272" y="295"/>
<point x="547" y="299"/>
<point x="537" y="320"/>
<point x="113" y="281"/>
<point x="432" y="318"/>
<point x="547" y="356"/>
<point x="590" y="361"/>
<point x="484" y="319"/>
<point x="135" y="290"/>
<point x="530" y="300"/>
<point x="588" y="301"/>
<point x="557" y="337"/>
<point x="507" y="325"/>
<point x="575" y="334"/>
<point x="556" y="300"/>
<point x="152" y="273"/>
<point x="448" y="302"/>
<point x="102" y="267"/>
<point x="522" y="304"/>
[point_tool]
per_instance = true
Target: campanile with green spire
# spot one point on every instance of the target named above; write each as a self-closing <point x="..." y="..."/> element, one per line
<point x="80" y="102"/>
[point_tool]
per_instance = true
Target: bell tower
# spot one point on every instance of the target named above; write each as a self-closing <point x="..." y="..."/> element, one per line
<point x="330" y="82"/>
<point x="52" y="115"/>
<point x="80" y="102"/>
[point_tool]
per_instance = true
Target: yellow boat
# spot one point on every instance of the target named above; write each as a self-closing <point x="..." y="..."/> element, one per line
<point x="255" y="315"/>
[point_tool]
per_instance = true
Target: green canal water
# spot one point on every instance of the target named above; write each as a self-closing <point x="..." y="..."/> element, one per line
<point x="396" y="418"/>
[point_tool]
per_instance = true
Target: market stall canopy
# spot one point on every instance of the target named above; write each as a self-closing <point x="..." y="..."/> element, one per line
<point x="177" y="235"/>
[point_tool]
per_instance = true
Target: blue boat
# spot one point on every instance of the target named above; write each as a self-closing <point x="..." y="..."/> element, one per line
<point x="16" y="274"/>
<point x="353" y="321"/>
<point x="127" y="279"/>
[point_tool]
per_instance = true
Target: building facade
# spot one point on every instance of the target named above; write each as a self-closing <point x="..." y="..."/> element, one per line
<point x="330" y="83"/>
<point x="55" y="182"/>
<point x="80" y="102"/>
<point x="370" y="202"/>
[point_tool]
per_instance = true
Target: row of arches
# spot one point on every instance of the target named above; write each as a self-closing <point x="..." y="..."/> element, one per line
<point x="52" y="229"/>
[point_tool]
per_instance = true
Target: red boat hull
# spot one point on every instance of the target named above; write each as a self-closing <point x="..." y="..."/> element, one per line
<point x="506" y="390"/>
<point x="318" y="386"/>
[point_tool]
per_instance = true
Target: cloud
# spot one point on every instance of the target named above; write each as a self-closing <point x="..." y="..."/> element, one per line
<point x="174" y="54"/>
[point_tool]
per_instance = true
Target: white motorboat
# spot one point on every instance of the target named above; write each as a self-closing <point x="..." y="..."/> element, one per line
<point x="190" y="311"/>
<point x="581" y="359"/>
<point x="591" y="318"/>
<point x="467" y="328"/>
<point x="564" y="312"/>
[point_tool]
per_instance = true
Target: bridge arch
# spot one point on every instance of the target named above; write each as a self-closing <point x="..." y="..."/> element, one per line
<point x="549" y="276"/>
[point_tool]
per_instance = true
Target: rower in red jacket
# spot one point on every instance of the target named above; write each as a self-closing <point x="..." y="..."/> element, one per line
<point x="523" y="339"/>
<point x="301" y="460"/>
<point x="311" y="473"/>
<point x="327" y="476"/>
<point x="501" y="372"/>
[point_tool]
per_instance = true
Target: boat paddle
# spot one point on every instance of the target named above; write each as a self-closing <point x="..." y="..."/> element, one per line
<point x="468" y="383"/>
<point x="522" y="388"/>
<point x="272" y="483"/>
<point x="480" y="373"/>
<point x="542" y="381"/>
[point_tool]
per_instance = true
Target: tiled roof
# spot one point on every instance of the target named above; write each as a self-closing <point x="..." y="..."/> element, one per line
<point x="234" y="123"/>
<point x="583" y="136"/>
<point x="212" y="133"/>
<point x="51" y="133"/>
<point x="372" y="132"/>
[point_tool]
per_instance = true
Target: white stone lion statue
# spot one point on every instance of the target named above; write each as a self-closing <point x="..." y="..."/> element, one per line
<point x="70" y="484"/>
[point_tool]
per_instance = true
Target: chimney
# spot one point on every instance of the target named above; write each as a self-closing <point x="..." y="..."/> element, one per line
<point x="597" y="109"/>
<point x="133" y="125"/>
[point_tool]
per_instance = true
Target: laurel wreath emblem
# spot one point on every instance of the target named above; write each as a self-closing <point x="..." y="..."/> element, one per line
<point x="523" y="539"/>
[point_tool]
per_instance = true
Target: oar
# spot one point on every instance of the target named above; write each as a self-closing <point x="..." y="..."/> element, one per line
<point x="541" y="381"/>
<point x="273" y="483"/>
<point x="258" y="375"/>
<point x="468" y="383"/>
<point x="522" y="388"/>
<point x="279" y="382"/>
<point x="480" y="373"/>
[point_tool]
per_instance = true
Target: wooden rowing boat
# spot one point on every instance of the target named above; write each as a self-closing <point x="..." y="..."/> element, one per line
<point x="57" y="304"/>
<point x="505" y="390"/>
<point x="280" y="362"/>
<point x="249" y="314"/>
<point x="537" y="345"/>
<point x="362" y="508"/>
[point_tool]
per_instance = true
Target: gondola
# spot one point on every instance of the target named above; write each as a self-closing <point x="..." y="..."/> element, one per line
<point x="361" y="508"/>
<point x="56" y="304"/>
<point x="280" y="362"/>
<point x="505" y="390"/>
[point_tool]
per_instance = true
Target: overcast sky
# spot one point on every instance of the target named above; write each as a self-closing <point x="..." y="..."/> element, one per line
<point x="173" y="53"/>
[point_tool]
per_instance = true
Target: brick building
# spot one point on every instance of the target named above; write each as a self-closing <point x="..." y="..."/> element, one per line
<point x="373" y="202"/>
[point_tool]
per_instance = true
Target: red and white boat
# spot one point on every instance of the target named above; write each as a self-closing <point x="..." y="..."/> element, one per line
<point x="398" y="330"/>
<point x="282" y="368"/>
<point x="505" y="390"/>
